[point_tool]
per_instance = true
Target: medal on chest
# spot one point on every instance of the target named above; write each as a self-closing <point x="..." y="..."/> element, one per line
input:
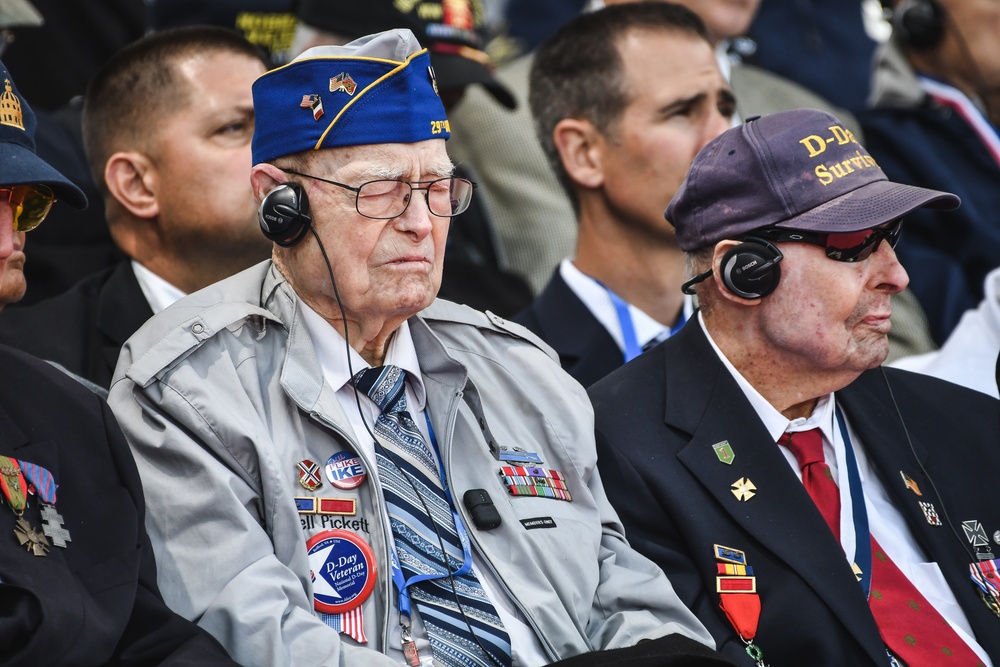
<point x="15" y="492"/>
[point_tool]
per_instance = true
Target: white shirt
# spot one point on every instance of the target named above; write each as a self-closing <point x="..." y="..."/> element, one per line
<point x="595" y="297"/>
<point x="332" y="352"/>
<point x="158" y="292"/>
<point x="885" y="522"/>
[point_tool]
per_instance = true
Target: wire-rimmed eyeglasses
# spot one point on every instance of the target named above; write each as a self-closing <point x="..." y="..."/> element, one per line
<point x="385" y="199"/>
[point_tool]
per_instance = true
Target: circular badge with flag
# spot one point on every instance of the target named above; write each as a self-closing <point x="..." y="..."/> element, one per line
<point x="345" y="470"/>
<point x="342" y="567"/>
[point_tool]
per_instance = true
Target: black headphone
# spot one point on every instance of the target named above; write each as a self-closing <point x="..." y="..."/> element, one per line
<point x="750" y="270"/>
<point x="284" y="214"/>
<point x="918" y="24"/>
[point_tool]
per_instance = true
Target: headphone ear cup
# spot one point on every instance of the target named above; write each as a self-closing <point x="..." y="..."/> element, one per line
<point x="284" y="214"/>
<point x="918" y="24"/>
<point x="750" y="270"/>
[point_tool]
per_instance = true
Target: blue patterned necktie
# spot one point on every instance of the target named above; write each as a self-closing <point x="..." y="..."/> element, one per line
<point x="407" y="468"/>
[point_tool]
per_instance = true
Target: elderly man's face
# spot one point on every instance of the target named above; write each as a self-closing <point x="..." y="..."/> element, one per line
<point x="12" y="283"/>
<point x="831" y="316"/>
<point x="384" y="268"/>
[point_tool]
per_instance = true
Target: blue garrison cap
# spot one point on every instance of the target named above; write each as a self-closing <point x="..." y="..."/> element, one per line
<point x="378" y="89"/>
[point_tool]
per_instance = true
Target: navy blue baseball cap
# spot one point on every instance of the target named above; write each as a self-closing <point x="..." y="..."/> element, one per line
<point x="379" y="89"/>
<point x="799" y="169"/>
<point x="19" y="164"/>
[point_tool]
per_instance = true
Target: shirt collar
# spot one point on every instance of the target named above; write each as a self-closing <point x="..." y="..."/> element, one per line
<point x="158" y="292"/>
<point x="775" y="422"/>
<point x="330" y="347"/>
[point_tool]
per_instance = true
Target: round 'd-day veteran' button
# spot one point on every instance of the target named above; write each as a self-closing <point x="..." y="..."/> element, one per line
<point x="342" y="568"/>
<point x="345" y="470"/>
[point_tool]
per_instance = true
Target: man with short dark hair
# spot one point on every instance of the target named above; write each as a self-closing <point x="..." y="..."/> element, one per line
<point x="806" y="503"/>
<point x="343" y="469"/>
<point x="167" y="127"/>
<point x="621" y="150"/>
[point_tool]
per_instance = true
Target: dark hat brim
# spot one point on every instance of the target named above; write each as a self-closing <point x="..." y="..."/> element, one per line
<point x="869" y="206"/>
<point x="20" y="166"/>
<point x="455" y="72"/>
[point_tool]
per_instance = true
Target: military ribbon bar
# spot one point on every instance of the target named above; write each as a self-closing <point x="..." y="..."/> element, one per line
<point x="42" y="481"/>
<point x="12" y="484"/>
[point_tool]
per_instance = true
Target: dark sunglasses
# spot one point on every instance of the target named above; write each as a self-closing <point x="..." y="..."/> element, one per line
<point x="30" y="204"/>
<point x="839" y="246"/>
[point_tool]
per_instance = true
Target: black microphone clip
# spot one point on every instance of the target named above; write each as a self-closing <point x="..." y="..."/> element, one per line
<point x="484" y="513"/>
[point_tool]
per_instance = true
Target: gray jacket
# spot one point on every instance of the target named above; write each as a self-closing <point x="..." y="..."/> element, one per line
<point x="221" y="396"/>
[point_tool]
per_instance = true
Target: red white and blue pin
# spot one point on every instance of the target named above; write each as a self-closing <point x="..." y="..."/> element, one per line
<point x="343" y="571"/>
<point x="310" y="476"/>
<point x="345" y="470"/>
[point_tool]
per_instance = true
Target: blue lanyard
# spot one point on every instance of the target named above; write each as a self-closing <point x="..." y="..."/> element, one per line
<point x="629" y="338"/>
<point x="862" y="534"/>
<point x="402" y="584"/>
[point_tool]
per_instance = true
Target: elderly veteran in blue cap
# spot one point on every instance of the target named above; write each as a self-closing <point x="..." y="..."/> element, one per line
<point x="804" y="499"/>
<point x="342" y="470"/>
<point x="28" y="188"/>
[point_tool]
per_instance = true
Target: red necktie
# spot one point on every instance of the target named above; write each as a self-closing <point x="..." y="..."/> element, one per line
<point x="910" y="626"/>
<point x="816" y="476"/>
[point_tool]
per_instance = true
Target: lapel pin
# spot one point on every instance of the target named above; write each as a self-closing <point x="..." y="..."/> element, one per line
<point x="930" y="513"/>
<point x="910" y="484"/>
<point x="744" y="489"/>
<point x="725" y="452"/>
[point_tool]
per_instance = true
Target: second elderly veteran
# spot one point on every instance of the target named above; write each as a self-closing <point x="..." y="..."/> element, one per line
<point x="303" y="525"/>
<point x="800" y="496"/>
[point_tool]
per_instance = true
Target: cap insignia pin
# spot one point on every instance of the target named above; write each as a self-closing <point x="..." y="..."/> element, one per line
<point x="434" y="81"/>
<point x="313" y="103"/>
<point x="10" y="107"/>
<point x="343" y="82"/>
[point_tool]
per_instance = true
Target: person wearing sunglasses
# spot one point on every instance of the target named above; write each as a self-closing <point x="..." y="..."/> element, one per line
<point x="29" y="187"/>
<point x="77" y="576"/>
<point x="812" y="507"/>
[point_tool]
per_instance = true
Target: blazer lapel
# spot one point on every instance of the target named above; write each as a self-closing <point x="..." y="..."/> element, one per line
<point x="584" y="346"/>
<point x="122" y="308"/>
<point x="779" y="513"/>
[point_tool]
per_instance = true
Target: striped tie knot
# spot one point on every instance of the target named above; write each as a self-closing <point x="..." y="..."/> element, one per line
<point x="384" y="385"/>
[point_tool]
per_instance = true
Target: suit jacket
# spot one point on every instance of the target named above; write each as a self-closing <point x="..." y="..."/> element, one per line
<point x="94" y="602"/>
<point x="83" y="329"/>
<point x="657" y="419"/>
<point x="558" y="316"/>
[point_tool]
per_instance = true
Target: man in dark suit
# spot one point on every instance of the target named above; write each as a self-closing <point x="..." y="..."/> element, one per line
<point x="806" y="504"/>
<point x="623" y="99"/>
<point x="167" y="128"/>
<point x="77" y="576"/>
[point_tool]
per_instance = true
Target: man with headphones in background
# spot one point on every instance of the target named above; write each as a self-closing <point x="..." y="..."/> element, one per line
<point x="341" y="469"/>
<point x="167" y="125"/>
<point x="810" y="507"/>
<point x="935" y="110"/>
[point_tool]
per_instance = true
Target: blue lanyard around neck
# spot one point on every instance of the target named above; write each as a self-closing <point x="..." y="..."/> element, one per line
<point x="402" y="584"/>
<point x="862" y="534"/>
<point x="629" y="339"/>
